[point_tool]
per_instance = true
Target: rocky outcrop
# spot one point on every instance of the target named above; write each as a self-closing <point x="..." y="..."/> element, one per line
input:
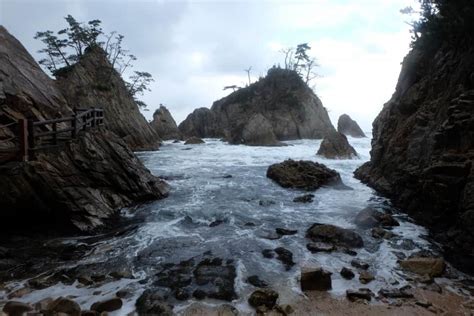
<point x="334" y="235"/>
<point x="78" y="185"/>
<point x="93" y="82"/>
<point x="303" y="175"/>
<point x="423" y="145"/>
<point x="164" y="124"/>
<point x="281" y="102"/>
<point x="349" y="127"/>
<point x="336" y="146"/>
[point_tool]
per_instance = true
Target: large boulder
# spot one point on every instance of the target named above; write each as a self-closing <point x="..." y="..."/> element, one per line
<point x="282" y="102"/>
<point x="349" y="127"/>
<point x="370" y="217"/>
<point x="316" y="279"/>
<point x="336" y="146"/>
<point x="423" y="139"/>
<point x="433" y="267"/>
<point x="164" y="124"/>
<point x="303" y="174"/>
<point x="335" y="235"/>
<point x="82" y="183"/>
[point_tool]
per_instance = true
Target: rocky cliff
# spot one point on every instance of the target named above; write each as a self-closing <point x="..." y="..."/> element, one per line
<point x="281" y="102"/>
<point x="78" y="185"/>
<point x="423" y="144"/>
<point x="164" y="124"/>
<point x="93" y="82"/>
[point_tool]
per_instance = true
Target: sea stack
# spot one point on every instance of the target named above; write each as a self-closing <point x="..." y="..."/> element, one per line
<point x="347" y="126"/>
<point x="281" y="104"/>
<point x="164" y="124"/>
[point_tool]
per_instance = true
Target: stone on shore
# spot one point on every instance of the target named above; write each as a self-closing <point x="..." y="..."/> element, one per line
<point x="263" y="297"/>
<point x="433" y="267"/>
<point x="315" y="279"/>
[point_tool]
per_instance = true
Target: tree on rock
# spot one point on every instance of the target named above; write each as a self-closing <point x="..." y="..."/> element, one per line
<point x="67" y="46"/>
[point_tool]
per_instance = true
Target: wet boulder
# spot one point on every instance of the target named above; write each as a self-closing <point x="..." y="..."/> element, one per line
<point x="109" y="305"/>
<point x="285" y="256"/>
<point x="370" y="217"/>
<point x="315" y="279"/>
<point x="303" y="175"/>
<point x="320" y="247"/>
<point x="14" y="308"/>
<point x="194" y="141"/>
<point x="307" y="198"/>
<point x="335" y="235"/>
<point x="366" y="277"/>
<point x="336" y="146"/>
<point x="359" y="264"/>
<point x="152" y="303"/>
<point x="347" y="273"/>
<point x="433" y="267"/>
<point x="218" y="277"/>
<point x="347" y="126"/>
<point x="263" y="297"/>
<point x="361" y="294"/>
<point x="64" y="305"/>
<point x="256" y="281"/>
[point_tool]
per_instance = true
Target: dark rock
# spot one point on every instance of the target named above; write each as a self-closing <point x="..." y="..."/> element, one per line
<point x="379" y="233"/>
<point x="81" y="184"/>
<point x="334" y="235"/>
<point x="181" y="294"/>
<point x="285" y="256"/>
<point x="123" y="293"/>
<point x="89" y="313"/>
<point x="164" y="124"/>
<point x="406" y="244"/>
<point x="218" y="277"/>
<point x="199" y="294"/>
<point x="227" y="176"/>
<point x="194" y="141"/>
<point x="424" y="304"/>
<point x="268" y="253"/>
<point x="64" y="305"/>
<point x="305" y="175"/>
<point x="176" y="141"/>
<point x="347" y="273"/>
<point x="365" y="277"/>
<point x="397" y="293"/>
<point x="336" y="146"/>
<point x="320" y="247"/>
<point x="215" y="223"/>
<point x="364" y="294"/>
<point x="266" y="202"/>
<point x="263" y="297"/>
<point x="359" y="264"/>
<point x="421" y="155"/>
<point x="349" y="127"/>
<point x="13" y="308"/>
<point x="369" y="217"/>
<point x="315" y="280"/>
<point x="307" y="198"/>
<point x="275" y="108"/>
<point x="109" y="305"/>
<point x="272" y="235"/>
<point x="256" y="281"/>
<point x="249" y="224"/>
<point x="152" y="303"/>
<point x="284" y="231"/>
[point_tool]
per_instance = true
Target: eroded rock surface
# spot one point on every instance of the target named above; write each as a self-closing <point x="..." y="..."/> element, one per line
<point x="164" y="124"/>
<point x="336" y="146"/>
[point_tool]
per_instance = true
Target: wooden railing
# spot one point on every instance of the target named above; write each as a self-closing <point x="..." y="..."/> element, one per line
<point x="33" y="136"/>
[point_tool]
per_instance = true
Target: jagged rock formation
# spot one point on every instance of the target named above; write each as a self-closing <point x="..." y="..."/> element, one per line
<point x="336" y="146"/>
<point x="78" y="185"/>
<point x="349" y="127"/>
<point x="164" y="124"/>
<point x="93" y="82"/>
<point x="285" y="106"/>
<point x="423" y="145"/>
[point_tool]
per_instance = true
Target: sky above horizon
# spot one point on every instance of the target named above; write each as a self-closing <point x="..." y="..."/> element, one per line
<point x="195" y="48"/>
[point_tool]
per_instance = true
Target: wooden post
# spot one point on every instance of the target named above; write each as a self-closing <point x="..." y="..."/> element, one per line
<point x="74" y="125"/>
<point x="31" y="139"/>
<point x="55" y="135"/>
<point x="23" y="136"/>
<point x="94" y="118"/>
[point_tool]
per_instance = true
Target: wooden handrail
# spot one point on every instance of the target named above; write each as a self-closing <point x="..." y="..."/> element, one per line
<point x="30" y="139"/>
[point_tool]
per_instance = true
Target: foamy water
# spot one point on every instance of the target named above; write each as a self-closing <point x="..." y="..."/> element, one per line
<point x="177" y="228"/>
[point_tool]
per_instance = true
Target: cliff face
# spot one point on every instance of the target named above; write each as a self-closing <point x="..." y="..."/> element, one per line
<point x="164" y="124"/>
<point x="77" y="185"/>
<point x="285" y="102"/>
<point x="93" y="82"/>
<point x="423" y="146"/>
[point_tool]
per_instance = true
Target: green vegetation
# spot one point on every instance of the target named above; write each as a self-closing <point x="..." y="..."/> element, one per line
<point x="66" y="47"/>
<point x="450" y="21"/>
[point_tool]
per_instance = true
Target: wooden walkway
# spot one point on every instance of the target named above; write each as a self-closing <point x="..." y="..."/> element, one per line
<point x="30" y="136"/>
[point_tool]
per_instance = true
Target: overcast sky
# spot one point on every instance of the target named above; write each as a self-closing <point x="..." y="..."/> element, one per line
<point x="195" y="48"/>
